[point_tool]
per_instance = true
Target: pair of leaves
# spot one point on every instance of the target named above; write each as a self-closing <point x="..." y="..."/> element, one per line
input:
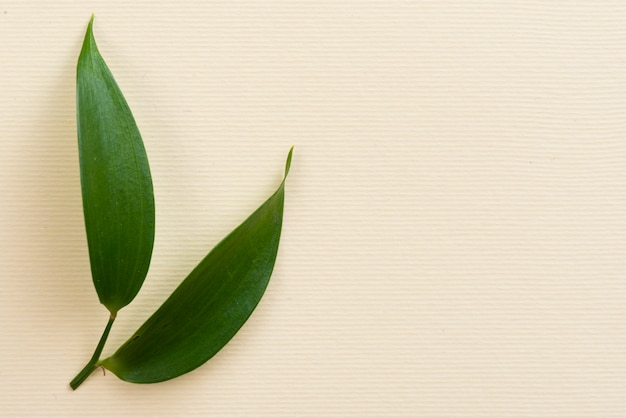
<point x="217" y="297"/>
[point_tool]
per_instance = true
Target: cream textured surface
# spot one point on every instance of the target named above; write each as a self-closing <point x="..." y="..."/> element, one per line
<point x="455" y="223"/>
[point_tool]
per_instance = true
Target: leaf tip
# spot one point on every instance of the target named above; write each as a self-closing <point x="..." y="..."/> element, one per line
<point x="288" y="163"/>
<point x="89" y="42"/>
<point x="90" y="25"/>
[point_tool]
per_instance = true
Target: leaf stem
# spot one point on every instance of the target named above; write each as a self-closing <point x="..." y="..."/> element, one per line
<point x="93" y="363"/>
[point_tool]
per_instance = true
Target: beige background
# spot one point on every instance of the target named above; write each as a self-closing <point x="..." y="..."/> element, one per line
<point x="455" y="227"/>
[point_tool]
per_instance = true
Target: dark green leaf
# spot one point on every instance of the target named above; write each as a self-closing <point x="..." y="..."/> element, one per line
<point x="210" y="305"/>
<point x="116" y="185"/>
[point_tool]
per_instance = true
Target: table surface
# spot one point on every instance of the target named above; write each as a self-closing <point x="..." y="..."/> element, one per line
<point x="454" y="231"/>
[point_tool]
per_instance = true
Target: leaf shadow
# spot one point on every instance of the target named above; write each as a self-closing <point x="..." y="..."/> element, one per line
<point x="51" y="182"/>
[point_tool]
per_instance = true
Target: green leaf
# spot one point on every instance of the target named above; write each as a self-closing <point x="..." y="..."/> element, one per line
<point x="118" y="201"/>
<point x="210" y="305"/>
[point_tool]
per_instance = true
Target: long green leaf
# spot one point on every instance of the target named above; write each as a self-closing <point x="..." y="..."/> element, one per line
<point x="117" y="192"/>
<point x="210" y="305"/>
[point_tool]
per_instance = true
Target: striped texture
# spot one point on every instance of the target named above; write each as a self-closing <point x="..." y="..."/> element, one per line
<point x="454" y="231"/>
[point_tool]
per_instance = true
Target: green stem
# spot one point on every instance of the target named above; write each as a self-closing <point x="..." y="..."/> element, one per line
<point x="93" y="363"/>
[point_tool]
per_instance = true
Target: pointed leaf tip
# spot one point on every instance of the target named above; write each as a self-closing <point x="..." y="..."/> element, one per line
<point x="288" y="163"/>
<point x="89" y="33"/>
